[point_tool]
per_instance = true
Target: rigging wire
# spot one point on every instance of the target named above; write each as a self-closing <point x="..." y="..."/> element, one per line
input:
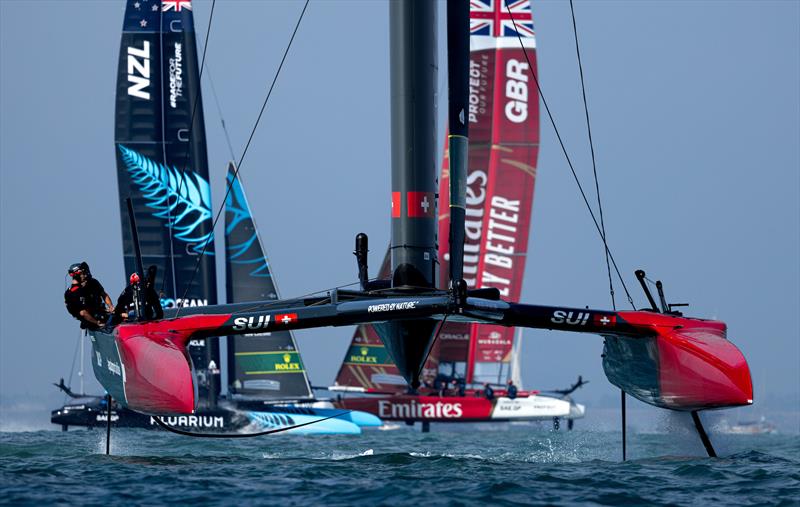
<point x="244" y="152"/>
<point x="186" y="152"/>
<point x="594" y="162"/>
<point x="72" y="368"/>
<point x="172" y="429"/>
<point x="221" y="117"/>
<point x="566" y="155"/>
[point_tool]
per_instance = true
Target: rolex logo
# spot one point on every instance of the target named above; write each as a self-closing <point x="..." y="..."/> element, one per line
<point x="287" y="357"/>
<point x="364" y="351"/>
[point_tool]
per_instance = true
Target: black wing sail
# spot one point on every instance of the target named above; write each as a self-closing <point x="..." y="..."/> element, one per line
<point x="262" y="365"/>
<point x="161" y="156"/>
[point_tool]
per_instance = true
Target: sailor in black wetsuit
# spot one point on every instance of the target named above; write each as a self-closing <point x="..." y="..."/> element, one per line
<point x="86" y="299"/>
<point x="511" y="390"/>
<point x="151" y="304"/>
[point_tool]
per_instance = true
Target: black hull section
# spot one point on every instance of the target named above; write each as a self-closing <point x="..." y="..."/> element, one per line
<point x="93" y="413"/>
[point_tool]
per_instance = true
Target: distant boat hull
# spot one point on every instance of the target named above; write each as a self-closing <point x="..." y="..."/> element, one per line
<point x="92" y="412"/>
<point x="412" y="408"/>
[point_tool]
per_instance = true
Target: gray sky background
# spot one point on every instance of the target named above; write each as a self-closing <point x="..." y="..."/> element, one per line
<point x="696" y="118"/>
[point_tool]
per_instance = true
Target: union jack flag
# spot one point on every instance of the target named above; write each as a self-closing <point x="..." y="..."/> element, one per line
<point x="176" y="5"/>
<point x="491" y="17"/>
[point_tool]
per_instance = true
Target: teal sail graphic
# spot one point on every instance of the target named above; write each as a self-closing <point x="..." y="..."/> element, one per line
<point x="260" y="365"/>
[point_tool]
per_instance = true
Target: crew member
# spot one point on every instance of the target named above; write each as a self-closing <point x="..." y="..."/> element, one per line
<point x="488" y="391"/>
<point x="86" y="299"/>
<point x="511" y="390"/>
<point x="150" y="306"/>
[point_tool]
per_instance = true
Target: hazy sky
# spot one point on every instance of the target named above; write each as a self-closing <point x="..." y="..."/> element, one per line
<point x="696" y="119"/>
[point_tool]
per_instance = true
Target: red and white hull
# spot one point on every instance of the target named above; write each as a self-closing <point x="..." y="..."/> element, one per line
<point x="463" y="408"/>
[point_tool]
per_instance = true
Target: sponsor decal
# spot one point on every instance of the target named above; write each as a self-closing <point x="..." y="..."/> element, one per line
<point x="139" y="71"/>
<point x="103" y="417"/>
<point x="287" y="364"/>
<point x="391" y="307"/>
<point x="182" y="303"/>
<point x="176" y="76"/>
<point x="99" y="358"/>
<point x="258" y="322"/>
<point x="570" y="318"/>
<point x="415" y="410"/>
<point x="286" y="318"/>
<point x="193" y="421"/>
<point x="478" y="91"/>
<point x="362" y="356"/>
<point x="113" y="367"/>
<point x="604" y="320"/>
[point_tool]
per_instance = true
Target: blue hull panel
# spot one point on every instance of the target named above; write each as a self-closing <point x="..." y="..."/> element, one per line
<point x="320" y="426"/>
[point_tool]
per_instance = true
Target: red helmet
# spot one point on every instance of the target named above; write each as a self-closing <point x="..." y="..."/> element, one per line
<point x="134" y="278"/>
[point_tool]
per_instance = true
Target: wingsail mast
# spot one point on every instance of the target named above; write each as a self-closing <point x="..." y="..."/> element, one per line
<point x="161" y="159"/>
<point x="412" y="35"/>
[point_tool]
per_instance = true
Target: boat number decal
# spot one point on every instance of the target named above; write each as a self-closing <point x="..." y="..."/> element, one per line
<point x="259" y="322"/>
<point x="391" y="307"/>
<point x="139" y="71"/>
<point x="570" y="318"/>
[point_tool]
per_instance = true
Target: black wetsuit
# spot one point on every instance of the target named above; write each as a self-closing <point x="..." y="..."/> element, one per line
<point x="152" y="304"/>
<point x="88" y="297"/>
<point x="512" y="391"/>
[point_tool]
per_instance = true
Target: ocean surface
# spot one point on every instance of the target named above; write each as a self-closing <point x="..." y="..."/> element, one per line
<point x="452" y="465"/>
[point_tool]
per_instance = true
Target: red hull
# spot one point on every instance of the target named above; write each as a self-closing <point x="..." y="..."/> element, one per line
<point x="158" y="372"/>
<point x="686" y="364"/>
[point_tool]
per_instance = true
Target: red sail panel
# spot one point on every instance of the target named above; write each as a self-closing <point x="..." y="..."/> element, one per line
<point x="504" y="144"/>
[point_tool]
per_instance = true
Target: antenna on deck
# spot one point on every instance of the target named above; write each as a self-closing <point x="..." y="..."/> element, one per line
<point x="137" y="290"/>
<point x="361" y="251"/>
<point x="640" y="275"/>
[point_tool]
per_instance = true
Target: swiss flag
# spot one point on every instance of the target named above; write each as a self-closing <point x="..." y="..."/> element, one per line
<point x="395" y="204"/>
<point x="421" y="204"/>
<point x="604" y="320"/>
<point x="286" y="318"/>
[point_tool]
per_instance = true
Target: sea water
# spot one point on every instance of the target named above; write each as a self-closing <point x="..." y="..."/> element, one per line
<point x="452" y="465"/>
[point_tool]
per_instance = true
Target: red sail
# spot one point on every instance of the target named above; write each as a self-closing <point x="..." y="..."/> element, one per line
<point x="504" y="145"/>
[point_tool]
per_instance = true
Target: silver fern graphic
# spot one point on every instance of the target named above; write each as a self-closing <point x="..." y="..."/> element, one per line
<point x="182" y="200"/>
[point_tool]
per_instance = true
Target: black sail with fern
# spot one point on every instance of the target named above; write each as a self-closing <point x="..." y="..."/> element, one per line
<point x="162" y="162"/>
<point x="260" y="365"/>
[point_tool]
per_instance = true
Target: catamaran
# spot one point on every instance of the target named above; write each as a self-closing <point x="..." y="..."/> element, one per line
<point x="162" y="163"/>
<point x="655" y="354"/>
